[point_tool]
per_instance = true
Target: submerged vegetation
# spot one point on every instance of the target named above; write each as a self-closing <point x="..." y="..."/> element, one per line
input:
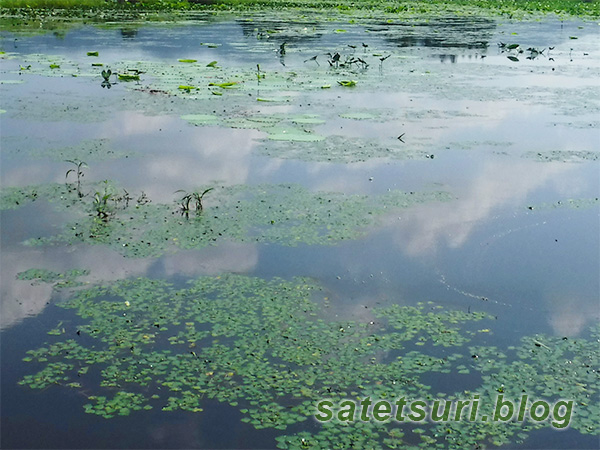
<point x="263" y="348"/>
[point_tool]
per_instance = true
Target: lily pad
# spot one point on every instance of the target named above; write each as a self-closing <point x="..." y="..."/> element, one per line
<point x="308" y="119"/>
<point x="128" y="77"/>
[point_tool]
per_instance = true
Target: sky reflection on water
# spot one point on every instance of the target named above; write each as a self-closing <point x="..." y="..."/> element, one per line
<point x="471" y="126"/>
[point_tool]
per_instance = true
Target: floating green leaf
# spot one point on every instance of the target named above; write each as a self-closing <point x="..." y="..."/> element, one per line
<point x="256" y="344"/>
<point x="227" y="85"/>
<point x="128" y="77"/>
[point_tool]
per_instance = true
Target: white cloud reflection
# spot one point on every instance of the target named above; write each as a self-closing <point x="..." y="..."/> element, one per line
<point x="182" y="160"/>
<point x="21" y="299"/>
<point x="500" y="183"/>
<point x="570" y="315"/>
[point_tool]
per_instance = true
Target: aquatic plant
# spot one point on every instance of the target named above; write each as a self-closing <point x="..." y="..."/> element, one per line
<point x="287" y="214"/>
<point x="334" y="59"/>
<point x="143" y="199"/>
<point x="153" y="8"/>
<point x="187" y="88"/>
<point x="101" y="204"/>
<point x="78" y="171"/>
<point x="264" y="348"/>
<point x="122" y="404"/>
<point x="128" y="77"/>
<point x="226" y="85"/>
<point x="126" y="197"/>
<point x="313" y="58"/>
<point x="192" y="199"/>
<point x="57" y="279"/>
<point x="260" y="75"/>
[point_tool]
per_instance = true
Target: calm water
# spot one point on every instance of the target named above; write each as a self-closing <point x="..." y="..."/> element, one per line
<point x="507" y="139"/>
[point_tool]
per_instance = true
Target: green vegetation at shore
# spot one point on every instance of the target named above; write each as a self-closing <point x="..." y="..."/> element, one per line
<point x="507" y="7"/>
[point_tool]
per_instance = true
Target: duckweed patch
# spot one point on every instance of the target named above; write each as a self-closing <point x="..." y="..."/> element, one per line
<point x="573" y="203"/>
<point x="476" y="145"/>
<point x="285" y="214"/>
<point x="121" y="404"/>
<point x="342" y="149"/>
<point x="16" y="197"/>
<point x="90" y="150"/>
<point x="563" y="156"/>
<point x="358" y="116"/>
<point x="59" y="280"/>
<point x="260" y="346"/>
<point x="294" y="135"/>
<point x="90" y="108"/>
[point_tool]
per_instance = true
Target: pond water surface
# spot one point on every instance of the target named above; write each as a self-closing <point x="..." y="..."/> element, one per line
<point x="429" y="162"/>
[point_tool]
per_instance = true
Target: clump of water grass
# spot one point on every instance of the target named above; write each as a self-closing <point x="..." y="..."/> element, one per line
<point x="143" y="199"/>
<point x="192" y="201"/>
<point x="78" y="171"/>
<point x="101" y="204"/>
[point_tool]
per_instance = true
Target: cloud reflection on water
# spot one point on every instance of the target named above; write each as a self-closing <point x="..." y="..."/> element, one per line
<point x="21" y="299"/>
